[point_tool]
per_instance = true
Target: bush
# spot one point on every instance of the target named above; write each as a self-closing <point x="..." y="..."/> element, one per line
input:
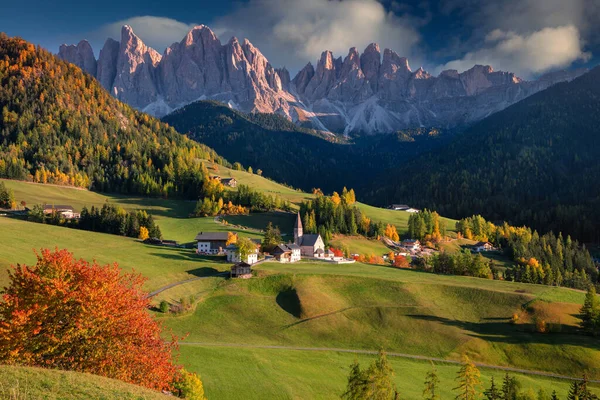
<point x="164" y="307"/>
<point x="190" y="386"/>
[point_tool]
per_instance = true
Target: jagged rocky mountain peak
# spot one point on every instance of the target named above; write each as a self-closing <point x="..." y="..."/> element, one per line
<point x="81" y="55"/>
<point x="368" y="92"/>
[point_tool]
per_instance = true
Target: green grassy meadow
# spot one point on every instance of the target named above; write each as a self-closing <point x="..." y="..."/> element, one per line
<point x="398" y="218"/>
<point x="38" y="383"/>
<point x="316" y="304"/>
<point x="233" y="373"/>
<point x="360" y="245"/>
<point x="160" y="265"/>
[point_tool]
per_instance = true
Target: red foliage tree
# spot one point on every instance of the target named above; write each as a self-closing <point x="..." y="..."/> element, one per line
<point x="337" y="252"/>
<point x="401" y="262"/>
<point x="70" y="314"/>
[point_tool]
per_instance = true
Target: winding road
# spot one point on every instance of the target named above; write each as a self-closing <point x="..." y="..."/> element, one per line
<point x="171" y="285"/>
<point x="390" y="354"/>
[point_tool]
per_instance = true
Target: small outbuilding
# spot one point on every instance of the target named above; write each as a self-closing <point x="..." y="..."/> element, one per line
<point x="482" y="246"/>
<point x="241" y="270"/>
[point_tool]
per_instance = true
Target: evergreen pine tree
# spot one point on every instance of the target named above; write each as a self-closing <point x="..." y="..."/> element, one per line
<point x="554" y="395"/>
<point x="509" y="388"/>
<point x="493" y="393"/>
<point x="590" y="312"/>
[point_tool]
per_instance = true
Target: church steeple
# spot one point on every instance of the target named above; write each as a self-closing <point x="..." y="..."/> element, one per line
<point x="298" y="231"/>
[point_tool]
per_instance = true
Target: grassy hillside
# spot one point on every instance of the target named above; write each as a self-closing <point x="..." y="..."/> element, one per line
<point x="172" y="214"/>
<point x="160" y="265"/>
<point x="38" y="383"/>
<point x="367" y="307"/>
<point x="325" y="305"/>
<point x="289" y="374"/>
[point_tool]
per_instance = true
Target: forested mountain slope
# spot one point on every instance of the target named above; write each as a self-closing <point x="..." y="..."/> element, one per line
<point x="535" y="163"/>
<point x="299" y="157"/>
<point x="58" y="125"/>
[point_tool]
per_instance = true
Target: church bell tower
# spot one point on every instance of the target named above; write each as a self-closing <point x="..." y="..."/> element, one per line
<point x="298" y="233"/>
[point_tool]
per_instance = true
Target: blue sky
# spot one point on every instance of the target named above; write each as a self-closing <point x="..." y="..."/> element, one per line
<point x="528" y="37"/>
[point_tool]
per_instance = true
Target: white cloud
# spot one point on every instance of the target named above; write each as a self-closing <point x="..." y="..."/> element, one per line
<point x="156" y="32"/>
<point x="525" y="54"/>
<point x="293" y="32"/>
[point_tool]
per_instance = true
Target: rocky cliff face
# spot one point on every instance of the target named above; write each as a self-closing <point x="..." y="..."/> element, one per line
<point x="81" y="55"/>
<point x="363" y="93"/>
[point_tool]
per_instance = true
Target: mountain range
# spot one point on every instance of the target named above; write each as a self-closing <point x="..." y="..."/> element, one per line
<point x="364" y="93"/>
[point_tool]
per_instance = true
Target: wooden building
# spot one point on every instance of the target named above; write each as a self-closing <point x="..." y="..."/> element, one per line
<point x="241" y="270"/>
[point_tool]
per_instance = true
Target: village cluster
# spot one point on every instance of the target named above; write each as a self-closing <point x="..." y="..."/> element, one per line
<point x="304" y="246"/>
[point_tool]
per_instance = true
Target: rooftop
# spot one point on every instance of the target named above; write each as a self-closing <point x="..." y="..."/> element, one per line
<point x="211" y="236"/>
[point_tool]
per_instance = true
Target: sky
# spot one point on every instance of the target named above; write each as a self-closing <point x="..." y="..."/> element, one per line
<point x="528" y="37"/>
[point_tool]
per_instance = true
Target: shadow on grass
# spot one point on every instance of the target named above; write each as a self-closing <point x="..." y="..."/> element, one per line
<point x="204" y="271"/>
<point x="499" y="331"/>
<point x="178" y="254"/>
<point x="155" y="206"/>
<point x="289" y="302"/>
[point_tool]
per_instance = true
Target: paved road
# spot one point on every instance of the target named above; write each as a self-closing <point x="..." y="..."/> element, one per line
<point x="400" y="355"/>
<point x="169" y="286"/>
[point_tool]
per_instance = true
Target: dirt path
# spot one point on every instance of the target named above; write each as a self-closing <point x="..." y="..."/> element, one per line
<point x="390" y="354"/>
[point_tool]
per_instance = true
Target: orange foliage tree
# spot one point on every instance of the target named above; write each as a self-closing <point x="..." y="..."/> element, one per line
<point x="69" y="314"/>
<point x="401" y="262"/>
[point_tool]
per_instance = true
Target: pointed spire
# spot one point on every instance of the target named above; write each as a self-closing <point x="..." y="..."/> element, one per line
<point x="298" y="231"/>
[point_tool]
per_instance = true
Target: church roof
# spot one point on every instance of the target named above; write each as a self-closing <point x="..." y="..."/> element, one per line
<point x="310" y="239"/>
<point x="298" y="222"/>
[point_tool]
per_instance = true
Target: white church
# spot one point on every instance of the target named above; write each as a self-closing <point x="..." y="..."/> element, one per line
<point x="311" y="245"/>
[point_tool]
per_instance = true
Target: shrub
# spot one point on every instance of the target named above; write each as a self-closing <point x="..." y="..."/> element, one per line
<point x="190" y="386"/>
<point x="164" y="307"/>
<point x="514" y="319"/>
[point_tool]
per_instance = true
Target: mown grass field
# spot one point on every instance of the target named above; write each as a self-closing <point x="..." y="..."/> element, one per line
<point x="161" y="265"/>
<point x="315" y="304"/>
<point x="369" y="307"/>
<point x="37" y="383"/>
<point x="243" y="374"/>
<point x="360" y="245"/>
<point x="312" y="304"/>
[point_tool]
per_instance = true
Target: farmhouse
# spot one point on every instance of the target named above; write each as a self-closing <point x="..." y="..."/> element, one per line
<point x="411" y="244"/>
<point x="398" y="207"/>
<point x="211" y="242"/>
<point x="63" y="210"/>
<point x="287" y="253"/>
<point x="483" y="246"/>
<point x="232" y="255"/>
<point x="231" y="182"/>
<point x="311" y="245"/>
<point x="241" y="270"/>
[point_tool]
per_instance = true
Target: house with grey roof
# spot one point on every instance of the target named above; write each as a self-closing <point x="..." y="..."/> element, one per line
<point x="211" y="242"/>
<point x="287" y="253"/>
